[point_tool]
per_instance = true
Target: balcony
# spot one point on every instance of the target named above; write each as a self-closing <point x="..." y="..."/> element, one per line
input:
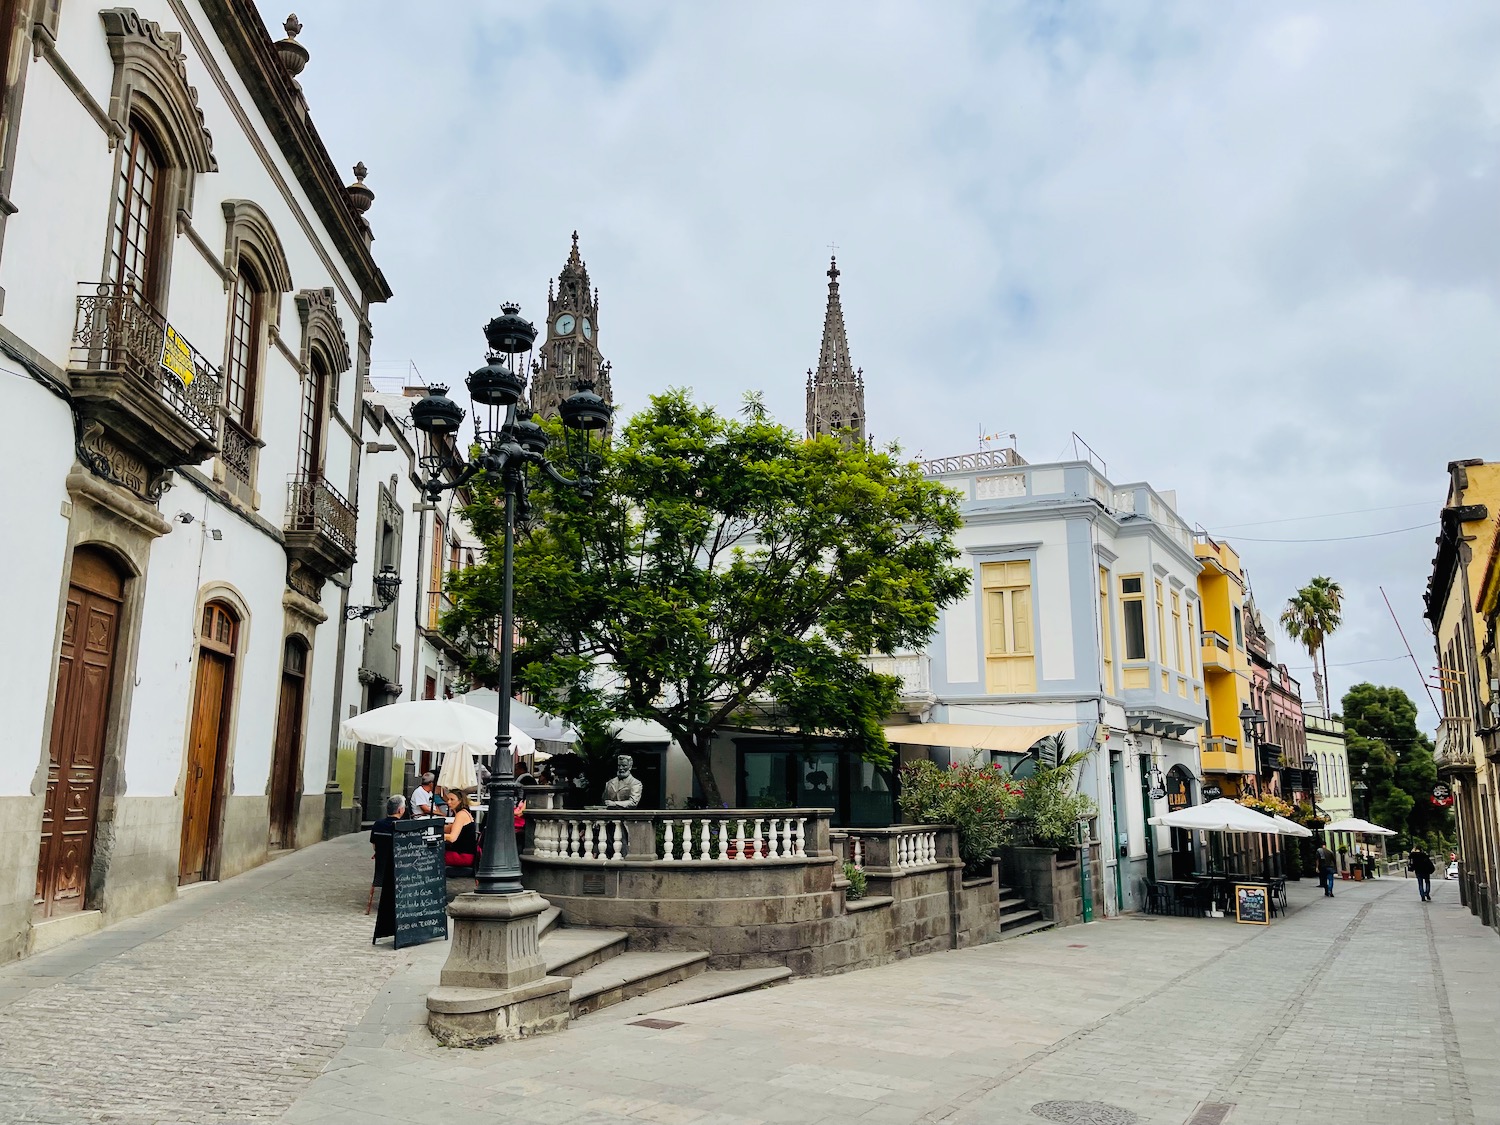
<point x="1269" y="756"/>
<point x="914" y="670"/>
<point x="1218" y="655"/>
<point x="1455" y="745"/>
<point x="149" y="399"/>
<point x="320" y="531"/>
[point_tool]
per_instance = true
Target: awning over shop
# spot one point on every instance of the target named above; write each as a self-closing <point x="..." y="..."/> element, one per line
<point x="967" y="736"/>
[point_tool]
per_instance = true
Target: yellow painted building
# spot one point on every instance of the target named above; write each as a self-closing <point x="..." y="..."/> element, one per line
<point x="1226" y="668"/>
<point x="1462" y="598"/>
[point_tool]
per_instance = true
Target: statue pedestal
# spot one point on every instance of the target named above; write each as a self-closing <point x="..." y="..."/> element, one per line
<point x="495" y="985"/>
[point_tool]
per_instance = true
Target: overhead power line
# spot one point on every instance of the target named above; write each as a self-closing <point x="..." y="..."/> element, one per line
<point x="1329" y="515"/>
<point x="1333" y="538"/>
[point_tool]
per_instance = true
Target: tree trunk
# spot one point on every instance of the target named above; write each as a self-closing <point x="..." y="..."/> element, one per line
<point x="696" y="747"/>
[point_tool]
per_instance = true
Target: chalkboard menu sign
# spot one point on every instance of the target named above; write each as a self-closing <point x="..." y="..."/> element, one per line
<point x="414" y="899"/>
<point x="1250" y="906"/>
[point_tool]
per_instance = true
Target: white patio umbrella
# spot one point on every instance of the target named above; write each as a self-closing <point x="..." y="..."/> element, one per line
<point x="527" y="724"/>
<point x="1355" y="824"/>
<point x="433" y="726"/>
<point x="1225" y="815"/>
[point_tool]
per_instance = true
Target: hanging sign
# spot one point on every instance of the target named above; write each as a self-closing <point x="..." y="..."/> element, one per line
<point x="1177" y="791"/>
<point x="1250" y="905"/>
<point x="1442" y="796"/>
<point x="176" y="356"/>
<point x="1212" y="792"/>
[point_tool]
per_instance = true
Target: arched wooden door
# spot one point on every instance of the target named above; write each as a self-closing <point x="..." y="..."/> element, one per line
<point x="286" y="763"/>
<point x="207" y="741"/>
<point x="80" y="718"/>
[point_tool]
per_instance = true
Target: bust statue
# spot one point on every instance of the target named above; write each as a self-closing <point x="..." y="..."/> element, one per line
<point x="623" y="791"/>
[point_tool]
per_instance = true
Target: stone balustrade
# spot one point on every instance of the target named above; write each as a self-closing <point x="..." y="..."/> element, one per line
<point x="901" y="848"/>
<point x="727" y="836"/>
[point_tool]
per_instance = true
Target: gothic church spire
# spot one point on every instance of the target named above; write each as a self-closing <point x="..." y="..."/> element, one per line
<point x="836" y="390"/>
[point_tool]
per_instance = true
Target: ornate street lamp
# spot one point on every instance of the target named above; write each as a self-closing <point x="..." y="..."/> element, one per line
<point x="508" y="448"/>
<point x="387" y="585"/>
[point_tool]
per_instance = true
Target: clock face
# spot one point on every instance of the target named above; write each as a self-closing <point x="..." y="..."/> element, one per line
<point x="588" y="329"/>
<point x="564" y="324"/>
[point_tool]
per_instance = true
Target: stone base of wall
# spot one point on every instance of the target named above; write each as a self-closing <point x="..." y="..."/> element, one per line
<point x="1048" y="883"/>
<point x="789" y="914"/>
<point x="20" y="847"/>
<point x="135" y="855"/>
<point x="244" y="837"/>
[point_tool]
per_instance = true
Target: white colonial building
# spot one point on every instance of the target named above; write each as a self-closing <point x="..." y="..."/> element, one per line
<point x="185" y="288"/>
<point x="1083" y="621"/>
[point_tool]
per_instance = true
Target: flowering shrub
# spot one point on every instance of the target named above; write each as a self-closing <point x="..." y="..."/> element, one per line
<point x="975" y="799"/>
<point x="1268" y="803"/>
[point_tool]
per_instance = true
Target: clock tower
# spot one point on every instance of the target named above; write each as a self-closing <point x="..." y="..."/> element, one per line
<point x="570" y="354"/>
<point x="836" y="391"/>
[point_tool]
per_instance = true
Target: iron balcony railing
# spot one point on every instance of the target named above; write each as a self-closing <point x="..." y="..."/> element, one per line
<point x="237" y="451"/>
<point x="314" y="505"/>
<point x="116" y="330"/>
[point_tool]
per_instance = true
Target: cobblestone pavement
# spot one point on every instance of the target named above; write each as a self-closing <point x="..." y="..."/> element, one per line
<point x="1366" y="1010"/>
<point x="220" y="1006"/>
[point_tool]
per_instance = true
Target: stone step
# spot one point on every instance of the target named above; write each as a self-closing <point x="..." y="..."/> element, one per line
<point x="630" y="975"/>
<point x="1013" y="903"/>
<point x="569" y="951"/>
<point x="1031" y="928"/>
<point x="1015" y="918"/>
<point x="548" y="921"/>
<point x="710" y="985"/>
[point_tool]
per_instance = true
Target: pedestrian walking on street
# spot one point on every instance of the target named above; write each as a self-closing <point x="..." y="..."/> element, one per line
<point x="1327" y="864"/>
<point x="1421" y="866"/>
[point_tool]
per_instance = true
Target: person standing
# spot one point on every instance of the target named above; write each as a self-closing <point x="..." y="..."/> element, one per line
<point x="1327" y="864"/>
<point x="1422" y="867"/>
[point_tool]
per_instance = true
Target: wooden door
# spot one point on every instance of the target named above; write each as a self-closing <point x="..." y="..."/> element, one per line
<point x="206" y="743"/>
<point x="80" y="718"/>
<point x="286" y="763"/>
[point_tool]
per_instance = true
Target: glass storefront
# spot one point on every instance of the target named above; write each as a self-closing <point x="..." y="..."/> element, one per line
<point x="776" y="774"/>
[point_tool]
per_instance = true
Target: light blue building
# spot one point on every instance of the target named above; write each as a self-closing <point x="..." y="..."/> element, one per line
<point x="1083" y="620"/>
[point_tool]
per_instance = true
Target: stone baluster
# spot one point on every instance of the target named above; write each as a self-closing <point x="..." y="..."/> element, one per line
<point x="739" y="840"/>
<point x="703" y="841"/>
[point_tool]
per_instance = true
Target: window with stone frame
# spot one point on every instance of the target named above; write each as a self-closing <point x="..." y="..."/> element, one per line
<point x="314" y="407"/>
<point x="136" y="237"/>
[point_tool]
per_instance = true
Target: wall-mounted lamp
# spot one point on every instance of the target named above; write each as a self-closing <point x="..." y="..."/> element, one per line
<point x="387" y="584"/>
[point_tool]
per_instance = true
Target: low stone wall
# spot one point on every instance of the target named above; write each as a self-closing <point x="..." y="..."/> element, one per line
<point x="789" y="911"/>
<point x="1050" y="884"/>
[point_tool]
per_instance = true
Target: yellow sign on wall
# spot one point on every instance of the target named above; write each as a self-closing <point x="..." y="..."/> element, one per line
<point x="176" y="356"/>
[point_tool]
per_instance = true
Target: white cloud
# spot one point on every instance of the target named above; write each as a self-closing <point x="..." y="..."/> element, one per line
<point x="1247" y="251"/>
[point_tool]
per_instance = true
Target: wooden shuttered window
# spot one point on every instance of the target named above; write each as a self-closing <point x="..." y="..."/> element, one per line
<point x="1010" y="661"/>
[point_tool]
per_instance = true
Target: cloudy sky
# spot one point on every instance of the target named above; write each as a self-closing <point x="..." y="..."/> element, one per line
<point x="1245" y="251"/>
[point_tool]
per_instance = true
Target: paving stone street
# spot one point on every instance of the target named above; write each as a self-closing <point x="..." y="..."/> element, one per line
<point x="261" y="998"/>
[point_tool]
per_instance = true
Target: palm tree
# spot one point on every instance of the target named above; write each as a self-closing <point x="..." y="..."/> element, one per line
<point x="1310" y="617"/>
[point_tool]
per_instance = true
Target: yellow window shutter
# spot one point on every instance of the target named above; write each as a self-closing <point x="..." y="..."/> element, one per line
<point x="1020" y="601"/>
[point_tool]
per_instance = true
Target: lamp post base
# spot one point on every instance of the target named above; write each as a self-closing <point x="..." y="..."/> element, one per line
<point x="494" y="985"/>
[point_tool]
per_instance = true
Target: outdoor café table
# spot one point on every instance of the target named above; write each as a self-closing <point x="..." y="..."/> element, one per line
<point x="1218" y="883"/>
<point x="1183" y="894"/>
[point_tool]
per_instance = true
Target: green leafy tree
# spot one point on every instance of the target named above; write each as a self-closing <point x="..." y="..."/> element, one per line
<point x="726" y="567"/>
<point x="1311" y="616"/>
<point x="1394" y="760"/>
